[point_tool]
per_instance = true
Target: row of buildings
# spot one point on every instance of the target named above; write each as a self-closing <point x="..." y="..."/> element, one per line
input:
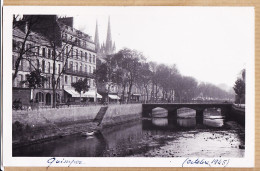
<point x="62" y="53"/>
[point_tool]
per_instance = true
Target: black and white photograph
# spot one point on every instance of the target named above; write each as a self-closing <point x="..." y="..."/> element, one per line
<point x="166" y="83"/>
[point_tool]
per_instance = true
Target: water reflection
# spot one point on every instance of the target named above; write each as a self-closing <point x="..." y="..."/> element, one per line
<point x="165" y="123"/>
<point x="186" y="122"/>
<point x="213" y="122"/>
<point x="160" y="121"/>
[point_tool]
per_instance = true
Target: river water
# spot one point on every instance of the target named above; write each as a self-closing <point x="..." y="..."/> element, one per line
<point x="157" y="137"/>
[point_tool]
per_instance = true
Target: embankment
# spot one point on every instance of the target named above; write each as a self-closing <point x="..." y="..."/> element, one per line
<point x="117" y="114"/>
<point x="238" y="114"/>
<point x="44" y="124"/>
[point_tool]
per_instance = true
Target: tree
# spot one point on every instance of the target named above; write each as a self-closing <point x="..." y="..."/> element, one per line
<point x="130" y="61"/>
<point x="25" y="25"/>
<point x="35" y="80"/>
<point x="239" y="89"/>
<point x="106" y="74"/>
<point x="145" y="77"/>
<point x="81" y="86"/>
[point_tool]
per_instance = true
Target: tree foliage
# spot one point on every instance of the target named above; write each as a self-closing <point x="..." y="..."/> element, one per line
<point x="35" y="79"/>
<point x="81" y="85"/>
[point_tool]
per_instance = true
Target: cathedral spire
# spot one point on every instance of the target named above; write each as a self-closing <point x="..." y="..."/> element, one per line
<point x="114" y="47"/>
<point x="109" y="39"/>
<point x="97" y="38"/>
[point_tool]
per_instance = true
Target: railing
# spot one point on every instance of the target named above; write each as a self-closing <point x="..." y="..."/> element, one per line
<point x="38" y="107"/>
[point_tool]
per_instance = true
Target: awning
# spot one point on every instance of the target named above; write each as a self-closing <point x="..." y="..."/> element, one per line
<point x="91" y="93"/>
<point x="72" y="92"/>
<point x="113" y="97"/>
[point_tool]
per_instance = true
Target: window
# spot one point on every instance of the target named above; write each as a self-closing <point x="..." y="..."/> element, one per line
<point x="77" y="66"/>
<point x="43" y="66"/>
<point x="21" y="80"/>
<point x="86" y="56"/>
<point x="80" y="68"/>
<point x="30" y="66"/>
<point x="38" y="64"/>
<point x="66" y="36"/>
<point x="37" y="50"/>
<point x="67" y="51"/>
<point x="59" y="68"/>
<point x="49" y="53"/>
<point x="39" y="97"/>
<point x="62" y="53"/>
<point x="86" y="68"/>
<point x="43" y="52"/>
<point x="90" y="69"/>
<point x="58" y="82"/>
<point x="76" y="53"/>
<point x="49" y="82"/>
<point x="66" y="80"/>
<point x="94" y="59"/>
<point x="81" y="55"/>
<point x="71" y="65"/>
<point x="71" y="79"/>
<point x="28" y="48"/>
<point x="71" y="52"/>
<point x="21" y="65"/>
<point x="90" y="58"/>
<point x="76" y="79"/>
<point x="49" y="67"/>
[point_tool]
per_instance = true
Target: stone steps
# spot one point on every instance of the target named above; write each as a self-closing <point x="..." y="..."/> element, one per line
<point x="98" y="119"/>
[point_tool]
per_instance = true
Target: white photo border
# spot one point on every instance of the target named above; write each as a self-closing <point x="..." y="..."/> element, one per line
<point x="8" y="160"/>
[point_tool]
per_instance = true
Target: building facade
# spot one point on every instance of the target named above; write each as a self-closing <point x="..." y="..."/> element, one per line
<point x="69" y="57"/>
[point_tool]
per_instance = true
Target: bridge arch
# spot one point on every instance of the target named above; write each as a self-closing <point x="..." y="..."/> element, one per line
<point x="186" y="112"/>
<point x="159" y="112"/>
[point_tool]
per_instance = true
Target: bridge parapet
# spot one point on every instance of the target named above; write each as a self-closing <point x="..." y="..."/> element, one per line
<point x="172" y="107"/>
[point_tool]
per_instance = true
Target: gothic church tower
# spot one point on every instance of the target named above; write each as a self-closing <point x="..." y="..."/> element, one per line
<point x="106" y="48"/>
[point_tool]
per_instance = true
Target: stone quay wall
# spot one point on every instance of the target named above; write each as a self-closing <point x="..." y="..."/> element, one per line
<point x="44" y="124"/>
<point x="42" y="117"/>
<point x="117" y="114"/>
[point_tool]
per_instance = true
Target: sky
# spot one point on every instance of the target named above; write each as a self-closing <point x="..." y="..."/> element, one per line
<point x="211" y="44"/>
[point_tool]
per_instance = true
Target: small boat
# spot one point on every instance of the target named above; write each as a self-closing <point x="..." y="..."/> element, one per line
<point x="89" y="133"/>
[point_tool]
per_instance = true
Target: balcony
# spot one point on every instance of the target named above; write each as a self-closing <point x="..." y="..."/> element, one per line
<point x="78" y="73"/>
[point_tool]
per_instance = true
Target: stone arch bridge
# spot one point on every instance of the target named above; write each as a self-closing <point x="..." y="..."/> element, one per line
<point x="198" y="107"/>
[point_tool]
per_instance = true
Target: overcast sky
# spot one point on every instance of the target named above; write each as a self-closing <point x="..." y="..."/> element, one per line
<point x="211" y="44"/>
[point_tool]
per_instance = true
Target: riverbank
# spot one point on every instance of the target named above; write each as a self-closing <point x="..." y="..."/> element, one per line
<point x="197" y="143"/>
<point x="144" y="138"/>
<point x="30" y="127"/>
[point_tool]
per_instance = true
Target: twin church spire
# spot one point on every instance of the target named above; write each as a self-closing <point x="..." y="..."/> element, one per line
<point x="107" y="48"/>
